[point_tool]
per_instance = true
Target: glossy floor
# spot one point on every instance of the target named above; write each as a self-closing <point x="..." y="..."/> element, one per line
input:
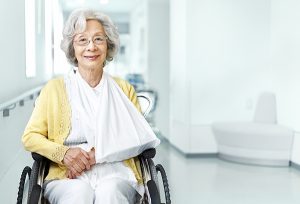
<point x="201" y="180"/>
<point x="214" y="181"/>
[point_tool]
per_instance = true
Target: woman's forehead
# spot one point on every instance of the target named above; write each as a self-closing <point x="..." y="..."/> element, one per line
<point x="92" y="26"/>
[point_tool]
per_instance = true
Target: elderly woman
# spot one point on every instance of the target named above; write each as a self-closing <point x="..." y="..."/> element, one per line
<point x="71" y="115"/>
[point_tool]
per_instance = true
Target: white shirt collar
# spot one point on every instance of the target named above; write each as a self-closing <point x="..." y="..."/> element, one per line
<point x="96" y="89"/>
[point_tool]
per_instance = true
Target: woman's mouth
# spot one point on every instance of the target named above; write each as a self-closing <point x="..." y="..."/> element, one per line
<point x="92" y="58"/>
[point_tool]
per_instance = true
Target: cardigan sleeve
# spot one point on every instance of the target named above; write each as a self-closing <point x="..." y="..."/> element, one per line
<point x="35" y="137"/>
<point x="132" y="96"/>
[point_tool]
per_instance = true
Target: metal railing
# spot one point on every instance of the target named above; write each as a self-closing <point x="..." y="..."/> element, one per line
<point x="19" y="100"/>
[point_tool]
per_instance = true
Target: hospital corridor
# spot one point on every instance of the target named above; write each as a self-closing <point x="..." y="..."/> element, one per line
<point x="215" y="81"/>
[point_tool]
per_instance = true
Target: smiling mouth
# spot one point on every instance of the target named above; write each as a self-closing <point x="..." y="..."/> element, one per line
<point x="91" y="57"/>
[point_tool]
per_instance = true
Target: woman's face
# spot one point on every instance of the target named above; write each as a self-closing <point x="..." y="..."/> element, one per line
<point x="91" y="46"/>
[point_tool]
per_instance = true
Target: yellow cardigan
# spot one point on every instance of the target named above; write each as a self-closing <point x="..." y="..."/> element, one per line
<point x="50" y="122"/>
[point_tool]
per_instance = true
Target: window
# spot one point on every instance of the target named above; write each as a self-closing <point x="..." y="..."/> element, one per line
<point x="30" y="38"/>
<point x="60" y="63"/>
<point x="48" y="38"/>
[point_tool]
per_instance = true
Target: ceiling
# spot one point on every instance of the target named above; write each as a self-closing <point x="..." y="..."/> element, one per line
<point x="112" y="6"/>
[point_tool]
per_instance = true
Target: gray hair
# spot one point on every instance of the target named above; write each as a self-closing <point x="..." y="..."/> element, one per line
<point x="76" y="23"/>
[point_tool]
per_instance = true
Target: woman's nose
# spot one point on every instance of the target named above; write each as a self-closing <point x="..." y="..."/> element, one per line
<point x="91" y="46"/>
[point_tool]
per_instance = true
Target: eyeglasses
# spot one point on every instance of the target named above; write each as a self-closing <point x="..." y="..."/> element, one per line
<point x="97" y="40"/>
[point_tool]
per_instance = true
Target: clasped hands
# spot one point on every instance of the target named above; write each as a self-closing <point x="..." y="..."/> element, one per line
<point x="77" y="160"/>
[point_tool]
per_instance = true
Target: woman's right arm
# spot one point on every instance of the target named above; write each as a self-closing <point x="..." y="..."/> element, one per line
<point x="35" y="137"/>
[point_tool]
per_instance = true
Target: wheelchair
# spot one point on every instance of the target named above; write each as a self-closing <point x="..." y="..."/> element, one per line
<point x="32" y="179"/>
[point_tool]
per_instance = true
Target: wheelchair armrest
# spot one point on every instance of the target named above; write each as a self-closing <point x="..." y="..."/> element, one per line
<point x="37" y="157"/>
<point x="148" y="154"/>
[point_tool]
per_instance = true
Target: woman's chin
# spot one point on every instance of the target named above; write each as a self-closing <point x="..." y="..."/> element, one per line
<point x="91" y="65"/>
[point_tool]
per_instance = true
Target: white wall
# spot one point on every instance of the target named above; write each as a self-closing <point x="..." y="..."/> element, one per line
<point x="158" y="60"/>
<point x="223" y="54"/>
<point x="228" y="57"/>
<point x="179" y="89"/>
<point x="285" y="52"/>
<point x="12" y="41"/>
<point x="139" y="35"/>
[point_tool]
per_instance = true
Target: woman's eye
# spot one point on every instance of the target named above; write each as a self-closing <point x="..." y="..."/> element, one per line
<point x="99" y="39"/>
<point x="83" y="40"/>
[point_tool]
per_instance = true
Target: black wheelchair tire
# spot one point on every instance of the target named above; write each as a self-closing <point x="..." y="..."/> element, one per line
<point x="153" y="173"/>
<point x="34" y="176"/>
<point x="26" y="171"/>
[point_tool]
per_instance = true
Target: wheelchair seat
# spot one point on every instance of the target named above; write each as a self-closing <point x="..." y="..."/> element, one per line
<point x="34" y="177"/>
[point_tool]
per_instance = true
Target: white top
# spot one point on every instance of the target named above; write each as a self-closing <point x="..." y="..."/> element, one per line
<point x="85" y="104"/>
<point x="84" y="101"/>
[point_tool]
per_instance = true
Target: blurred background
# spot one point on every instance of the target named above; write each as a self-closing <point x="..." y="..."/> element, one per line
<point x="202" y="62"/>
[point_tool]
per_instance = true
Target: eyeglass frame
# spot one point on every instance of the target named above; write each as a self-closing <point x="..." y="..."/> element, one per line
<point x="89" y="39"/>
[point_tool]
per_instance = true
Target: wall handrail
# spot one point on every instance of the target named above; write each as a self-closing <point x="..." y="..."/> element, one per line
<point x="11" y="104"/>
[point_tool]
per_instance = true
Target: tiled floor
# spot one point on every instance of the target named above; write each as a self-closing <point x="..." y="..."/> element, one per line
<point x="215" y="181"/>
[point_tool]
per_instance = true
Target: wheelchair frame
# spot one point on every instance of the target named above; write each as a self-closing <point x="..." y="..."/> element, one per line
<point x="41" y="164"/>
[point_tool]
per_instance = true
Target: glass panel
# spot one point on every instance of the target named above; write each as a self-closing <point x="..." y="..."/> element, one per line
<point x="48" y="38"/>
<point x="30" y="38"/>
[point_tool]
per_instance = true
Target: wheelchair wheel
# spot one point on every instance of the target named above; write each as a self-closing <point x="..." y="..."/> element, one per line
<point x="26" y="173"/>
<point x="153" y="173"/>
<point x="160" y="168"/>
<point x="33" y="181"/>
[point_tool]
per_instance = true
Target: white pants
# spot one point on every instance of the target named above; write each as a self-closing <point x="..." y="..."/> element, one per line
<point x="112" y="191"/>
<point x="111" y="183"/>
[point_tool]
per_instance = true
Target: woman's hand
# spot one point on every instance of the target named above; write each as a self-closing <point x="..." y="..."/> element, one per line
<point x="78" y="160"/>
<point x="70" y="175"/>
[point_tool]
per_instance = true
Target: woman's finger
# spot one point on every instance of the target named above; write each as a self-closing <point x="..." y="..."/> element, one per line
<point x="92" y="156"/>
<point x="85" y="163"/>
